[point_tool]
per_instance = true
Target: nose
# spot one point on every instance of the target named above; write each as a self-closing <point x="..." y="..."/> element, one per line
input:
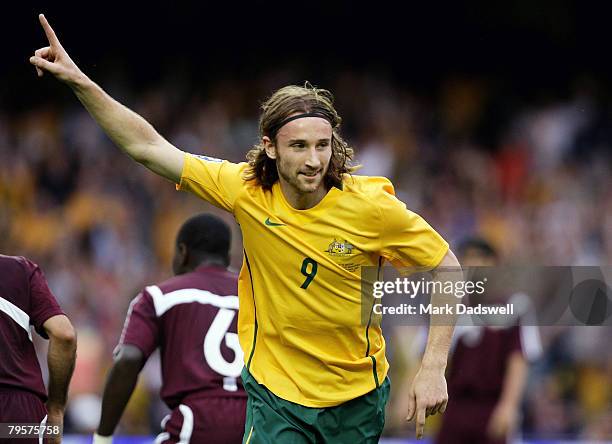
<point x="313" y="161"/>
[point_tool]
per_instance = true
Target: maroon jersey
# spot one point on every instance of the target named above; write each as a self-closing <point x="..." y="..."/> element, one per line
<point x="25" y="299"/>
<point x="479" y="361"/>
<point x="476" y="376"/>
<point x="192" y="319"/>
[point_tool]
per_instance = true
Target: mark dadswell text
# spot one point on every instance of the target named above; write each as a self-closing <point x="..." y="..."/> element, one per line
<point x="447" y="309"/>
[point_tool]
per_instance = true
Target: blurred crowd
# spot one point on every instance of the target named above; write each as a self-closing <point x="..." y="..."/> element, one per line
<point x="533" y="177"/>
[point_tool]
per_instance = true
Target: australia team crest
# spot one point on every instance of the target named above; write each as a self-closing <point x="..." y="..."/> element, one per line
<point x="337" y="248"/>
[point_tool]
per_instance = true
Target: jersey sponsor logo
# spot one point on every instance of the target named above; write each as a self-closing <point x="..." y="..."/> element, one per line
<point x="269" y="223"/>
<point x="337" y="248"/>
<point x="208" y="158"/>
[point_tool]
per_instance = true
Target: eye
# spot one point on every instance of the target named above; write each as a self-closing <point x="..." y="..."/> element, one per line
<point x="297" y="145"/>
<point x="323" y="145"/>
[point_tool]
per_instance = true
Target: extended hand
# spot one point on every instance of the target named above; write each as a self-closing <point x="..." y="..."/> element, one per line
<point x="54" y="58"/>
<point x="428" y="396"/>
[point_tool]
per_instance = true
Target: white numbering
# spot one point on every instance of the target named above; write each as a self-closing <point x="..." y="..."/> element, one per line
<point x="217" y="332"/>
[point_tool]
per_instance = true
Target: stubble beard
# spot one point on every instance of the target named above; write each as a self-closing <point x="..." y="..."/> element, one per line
<point x="294" y="182"/>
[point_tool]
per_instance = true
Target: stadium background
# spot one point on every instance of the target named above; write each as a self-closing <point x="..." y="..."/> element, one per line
<point x="490" y="118"/>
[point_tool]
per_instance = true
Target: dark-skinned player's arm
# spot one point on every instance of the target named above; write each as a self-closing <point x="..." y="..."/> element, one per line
<point x="61" y="357"/>
<point x="120" y="384"/>
<point x="504" y="418"/>
<point x="428" y="393"/>
<point x="130" y="132"/>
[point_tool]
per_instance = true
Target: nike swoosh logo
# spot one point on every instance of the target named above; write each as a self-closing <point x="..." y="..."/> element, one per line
<point x="269" y="223"/>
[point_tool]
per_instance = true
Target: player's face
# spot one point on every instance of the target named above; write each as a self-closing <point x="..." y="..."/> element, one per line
<point x="302" y="152"/>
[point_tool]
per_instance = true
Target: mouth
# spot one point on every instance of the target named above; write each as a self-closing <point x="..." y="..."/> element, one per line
<point x="310" y="174"/>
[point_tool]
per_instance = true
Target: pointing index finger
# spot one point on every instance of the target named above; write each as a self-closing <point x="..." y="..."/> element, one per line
<point x="53" y="40"/>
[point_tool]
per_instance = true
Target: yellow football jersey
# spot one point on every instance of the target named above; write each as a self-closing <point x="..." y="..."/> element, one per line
<point x="299" y="289"/>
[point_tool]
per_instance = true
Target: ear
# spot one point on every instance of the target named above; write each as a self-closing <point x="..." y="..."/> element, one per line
<point x="183" y="254"/>
<point x="269" y="146"/>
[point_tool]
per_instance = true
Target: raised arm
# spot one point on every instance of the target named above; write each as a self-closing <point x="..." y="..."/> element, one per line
<point x="129" y="131"/>
<point x="60" y="359"/>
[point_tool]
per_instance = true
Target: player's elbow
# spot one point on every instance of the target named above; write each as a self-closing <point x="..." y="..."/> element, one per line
<point x="129" y="356"/>
<point x="140" y="153"/>
<point x="148" y="149"/>
<point x="67" y="336"/>
<point x="60" y="330"/>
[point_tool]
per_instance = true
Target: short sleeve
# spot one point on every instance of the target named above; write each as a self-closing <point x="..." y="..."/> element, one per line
<point x="43" y="304"/>
<point x="141" y="326"/>
<point x="530" y="342"/>
<point x="214" y="180"/>
<point x="407" y="240"/>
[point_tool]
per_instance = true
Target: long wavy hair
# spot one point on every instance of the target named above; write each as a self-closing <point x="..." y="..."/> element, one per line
<point x="282" y="104"/>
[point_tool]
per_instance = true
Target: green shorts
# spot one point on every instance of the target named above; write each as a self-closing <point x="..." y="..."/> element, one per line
<point x="272" y="420"/>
